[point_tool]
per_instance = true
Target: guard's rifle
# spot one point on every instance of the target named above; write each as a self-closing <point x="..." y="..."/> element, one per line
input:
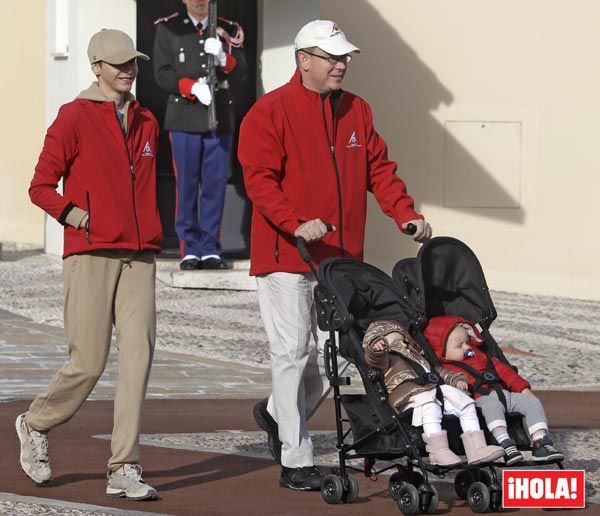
<point x="212" y="69"/>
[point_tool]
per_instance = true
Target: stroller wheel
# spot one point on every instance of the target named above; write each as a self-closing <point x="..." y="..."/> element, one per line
<point x="484" y="476"/>
<point x="408" y="499"/>
<point x="332" y="489"/>
<point x="394" y="484"/>
<point x="478" y="497"/>
<point x="428" y="498"/>
<point x="462" y="482"/>
<point x="352" y="493"/>
<point x="414" y="477"/>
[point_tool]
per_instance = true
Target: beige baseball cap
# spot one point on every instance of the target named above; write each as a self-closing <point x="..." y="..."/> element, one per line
<point x="112" y="46"/>
<point x="326" y="35"/>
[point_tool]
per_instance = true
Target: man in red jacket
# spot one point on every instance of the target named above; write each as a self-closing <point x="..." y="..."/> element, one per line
<point x="103" y="146"/>
<point x="310" y="154"/>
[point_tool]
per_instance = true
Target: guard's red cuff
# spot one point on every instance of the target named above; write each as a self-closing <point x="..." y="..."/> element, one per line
<point x="185" y="87"/>
<point x="230" y="63"/>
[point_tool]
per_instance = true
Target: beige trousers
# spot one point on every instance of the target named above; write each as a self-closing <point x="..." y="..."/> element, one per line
<point x="102" y="289"/>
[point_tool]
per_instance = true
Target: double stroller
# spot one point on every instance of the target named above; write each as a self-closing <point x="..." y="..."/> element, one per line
<point x="445" y="278"/>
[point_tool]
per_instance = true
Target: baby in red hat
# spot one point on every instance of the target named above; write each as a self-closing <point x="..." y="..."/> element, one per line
<point x="495" y="385"/>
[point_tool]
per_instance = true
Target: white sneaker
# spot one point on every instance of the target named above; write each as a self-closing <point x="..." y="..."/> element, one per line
<point x="34" y="452"/>
<point x="128" y="483"/>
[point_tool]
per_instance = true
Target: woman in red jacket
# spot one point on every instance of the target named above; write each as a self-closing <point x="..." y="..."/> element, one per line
<point x="102" y="145"/>
<point x="496" y="386"/>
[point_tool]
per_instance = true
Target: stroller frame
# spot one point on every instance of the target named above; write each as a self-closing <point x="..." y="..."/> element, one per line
<point x="409" y="486"/>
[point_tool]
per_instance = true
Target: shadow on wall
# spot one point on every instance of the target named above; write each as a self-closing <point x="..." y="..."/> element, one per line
<point x="280" y="21"/>
<point x="403" y="92"/>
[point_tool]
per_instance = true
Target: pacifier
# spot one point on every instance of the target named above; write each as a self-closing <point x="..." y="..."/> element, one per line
<point x="469" y="353"/>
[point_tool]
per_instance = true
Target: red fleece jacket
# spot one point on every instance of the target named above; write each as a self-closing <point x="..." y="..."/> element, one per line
<point x="110" y="175"/>
<point x="301" y="161"/>
<point x="437" y="331"/>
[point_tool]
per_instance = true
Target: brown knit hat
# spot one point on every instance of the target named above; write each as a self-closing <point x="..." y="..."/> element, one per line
<point x="379" y="329"/>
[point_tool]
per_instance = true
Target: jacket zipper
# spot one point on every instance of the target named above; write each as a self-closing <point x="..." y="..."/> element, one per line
<point x="277" y="247"/>
<point x="89" y="223"/>
<point x="337" y="173"/>
<point x="132" y="173"/>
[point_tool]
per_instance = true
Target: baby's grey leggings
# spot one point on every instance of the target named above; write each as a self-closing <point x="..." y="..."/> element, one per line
<point x="529" y="406"/>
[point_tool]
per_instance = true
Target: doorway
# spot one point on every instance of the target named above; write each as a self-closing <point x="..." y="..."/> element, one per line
<point x="235" y="229"/>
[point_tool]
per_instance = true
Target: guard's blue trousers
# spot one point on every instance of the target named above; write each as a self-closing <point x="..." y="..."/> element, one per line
<point x="201" y="163"/>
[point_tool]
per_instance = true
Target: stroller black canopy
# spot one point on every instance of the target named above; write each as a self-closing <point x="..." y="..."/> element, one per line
<point x="353" y="293"/>
<point x="445" y="278"/>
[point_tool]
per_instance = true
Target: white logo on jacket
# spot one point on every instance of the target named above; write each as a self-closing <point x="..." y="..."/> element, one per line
<point x="353" y="141"/>
<point x="147" y="152"/>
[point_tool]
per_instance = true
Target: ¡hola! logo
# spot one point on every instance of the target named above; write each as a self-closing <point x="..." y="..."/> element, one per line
<point x="543" y="488"/>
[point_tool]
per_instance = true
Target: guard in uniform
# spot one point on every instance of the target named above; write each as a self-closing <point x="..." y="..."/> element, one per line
<point x="201" y="157"/>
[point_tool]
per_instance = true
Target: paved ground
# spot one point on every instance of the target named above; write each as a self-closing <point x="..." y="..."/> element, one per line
<point x="31" y="352"/>
<point x="202" y="479"/>
<point x="200" y="444"/>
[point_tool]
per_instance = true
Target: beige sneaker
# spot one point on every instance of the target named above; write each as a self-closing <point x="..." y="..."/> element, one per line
<point x="34" y="452"/>
<point x="128" y="483"/>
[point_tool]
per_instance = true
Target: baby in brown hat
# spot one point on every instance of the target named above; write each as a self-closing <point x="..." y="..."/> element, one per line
<point x="389" y="347"/>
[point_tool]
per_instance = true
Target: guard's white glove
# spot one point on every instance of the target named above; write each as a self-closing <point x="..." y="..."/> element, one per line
<point x="215" y="47"/>
<point x="202" y="92"/>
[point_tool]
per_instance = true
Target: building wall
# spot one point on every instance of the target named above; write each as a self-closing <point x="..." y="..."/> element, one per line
<point x="488" y="107"/>
<point x="279" y="21"/>
<point x="22" y="101"/>
<point x="490" y="110"/>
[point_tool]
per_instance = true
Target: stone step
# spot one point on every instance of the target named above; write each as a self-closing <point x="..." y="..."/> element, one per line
<point x="235" y="278"/>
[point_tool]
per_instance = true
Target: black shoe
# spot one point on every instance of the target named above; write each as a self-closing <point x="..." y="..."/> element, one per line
<point x="543" y="450"/>
<point x="511" y="454"/>
<point x="191" y="264"/>
<point x="275" y="447"/>
<point x="301" y="479"/>
<point x="214" y="263"/>
<point x="266" y="422"/>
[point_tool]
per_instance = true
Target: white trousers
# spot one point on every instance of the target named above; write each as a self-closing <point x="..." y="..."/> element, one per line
<point x="299" y="384"/>
<point x="428" y="411"/>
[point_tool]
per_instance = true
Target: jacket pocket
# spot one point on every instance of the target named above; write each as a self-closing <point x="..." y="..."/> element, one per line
<point x="89" y="221"/>
<point x="179" y="100"/>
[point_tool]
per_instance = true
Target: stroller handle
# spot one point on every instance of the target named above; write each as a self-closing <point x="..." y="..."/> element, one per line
<point x="410" y="229"/>
<point x="301" y="245"/>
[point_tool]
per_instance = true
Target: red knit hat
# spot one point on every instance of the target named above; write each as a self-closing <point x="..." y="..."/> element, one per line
<point x="438" y="330"/>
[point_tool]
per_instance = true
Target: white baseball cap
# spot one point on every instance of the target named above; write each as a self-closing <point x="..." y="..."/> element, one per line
<point x="326" y="35"/>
